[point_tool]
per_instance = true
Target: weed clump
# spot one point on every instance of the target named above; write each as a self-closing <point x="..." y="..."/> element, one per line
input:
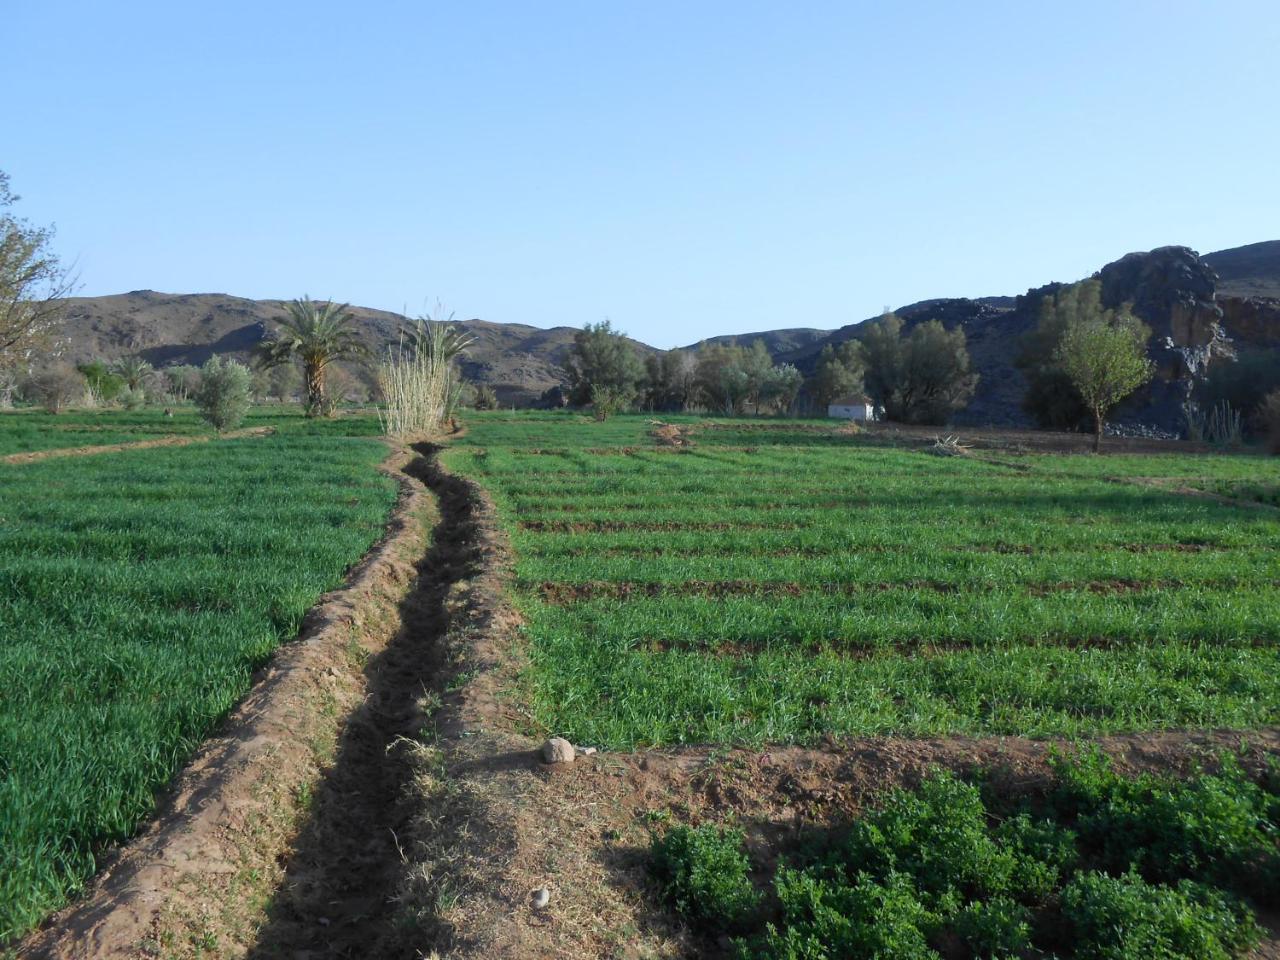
<point x="1101" y="867"/>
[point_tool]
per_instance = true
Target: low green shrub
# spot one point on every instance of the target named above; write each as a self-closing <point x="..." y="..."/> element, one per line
<point x="1126" y="918"/>
<point x="865" y="918"/>
<point x="1219" y="828"/>
<point x="999" y="927"/>
<point x="704" y="873"/>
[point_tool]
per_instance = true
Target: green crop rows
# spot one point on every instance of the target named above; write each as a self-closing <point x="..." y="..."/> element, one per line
<point x="138" y="592"/>
<point x="786" y="584"/>
<point x="24" y="431"/>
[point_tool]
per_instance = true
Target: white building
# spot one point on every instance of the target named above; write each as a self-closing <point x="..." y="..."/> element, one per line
<point x="853" y="407"/>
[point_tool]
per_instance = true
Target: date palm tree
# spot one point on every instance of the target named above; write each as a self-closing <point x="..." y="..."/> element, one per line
<point x="134" y="371"/>
<point x="316" y="334"/>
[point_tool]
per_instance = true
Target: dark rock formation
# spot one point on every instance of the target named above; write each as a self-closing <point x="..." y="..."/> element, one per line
<point x="1173" y="291"/>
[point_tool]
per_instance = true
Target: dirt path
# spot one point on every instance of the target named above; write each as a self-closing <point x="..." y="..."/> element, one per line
<point x="173" y="440"/>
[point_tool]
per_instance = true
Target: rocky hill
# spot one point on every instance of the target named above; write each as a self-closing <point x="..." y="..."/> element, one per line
<point x="1200" y="309"/>
<point x="519" y="361"/>
<point x="1249" y="271"/>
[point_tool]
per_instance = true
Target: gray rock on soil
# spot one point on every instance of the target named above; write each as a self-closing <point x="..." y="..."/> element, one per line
<point x="557" y="750"/>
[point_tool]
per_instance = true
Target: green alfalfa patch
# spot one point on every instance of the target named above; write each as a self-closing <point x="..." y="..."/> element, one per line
<point x="1099" y="866"/>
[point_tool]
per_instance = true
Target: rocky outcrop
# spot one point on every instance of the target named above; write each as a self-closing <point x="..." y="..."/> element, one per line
<point x="1173" y="291"/>
<point x="1252" y="321"/>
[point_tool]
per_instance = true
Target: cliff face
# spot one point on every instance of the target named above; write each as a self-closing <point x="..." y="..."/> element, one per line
<point x="1252" y="321"/>
<point x="1173" y="291"/>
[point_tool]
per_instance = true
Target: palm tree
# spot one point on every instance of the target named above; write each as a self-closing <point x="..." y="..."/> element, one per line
<point x="316" y="334"/>
<point x="134" y="371"/>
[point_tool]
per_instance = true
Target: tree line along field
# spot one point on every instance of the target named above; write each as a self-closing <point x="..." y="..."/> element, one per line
<point x="139" y="590"/>
<point x="791" y="583"/>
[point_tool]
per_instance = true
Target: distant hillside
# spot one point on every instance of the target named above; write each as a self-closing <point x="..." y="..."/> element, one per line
<point x="518" y="361"/>
<point x="1249" y="271"/>
<point x="777" y="341"/>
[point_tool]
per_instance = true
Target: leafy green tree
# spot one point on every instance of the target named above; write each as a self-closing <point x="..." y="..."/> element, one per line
<point x="316" y="335"/>
<point x="602" y="358"/>
<point x="838" y="373"/>
<point x="922" y="377"/>
<point x="671" y="380"/>
<point x="1051" y="398"/>
<point x="1242" y="383"/>
<point x="1105" y="358"/>
<point x="781" y="387"/>
<point x="33" y="283"/>
<point x="106" y="386"/>
<point x="284" y="382"/>
<point x="224" y="397"/>
<point x="723" y="381"/>
<point x="1269" y="420"/>
<point x="757" y="363"/>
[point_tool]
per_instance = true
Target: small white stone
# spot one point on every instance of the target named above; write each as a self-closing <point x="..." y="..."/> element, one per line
<point x="557" y="750"/>
<point x="586" y="751"/>
<point x="541" y="897"/>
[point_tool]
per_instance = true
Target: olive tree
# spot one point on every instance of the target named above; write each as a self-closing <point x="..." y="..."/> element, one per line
<point x="1105" y="358"/>
<point x="224" y="395"/>
<point x="920" y="377"/>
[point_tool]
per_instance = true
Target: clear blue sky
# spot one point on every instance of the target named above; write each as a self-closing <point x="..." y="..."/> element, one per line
<point x="684" y="168"/>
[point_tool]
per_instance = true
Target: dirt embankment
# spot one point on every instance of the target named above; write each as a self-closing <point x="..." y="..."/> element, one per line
<point x="166" y="441"/>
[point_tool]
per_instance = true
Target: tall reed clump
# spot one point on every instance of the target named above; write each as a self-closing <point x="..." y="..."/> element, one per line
<point x="1221" y="425"/>
<point x="420" y="383"/>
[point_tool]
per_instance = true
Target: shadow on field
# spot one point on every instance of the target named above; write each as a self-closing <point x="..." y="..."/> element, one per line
<point x="336" y="898"/>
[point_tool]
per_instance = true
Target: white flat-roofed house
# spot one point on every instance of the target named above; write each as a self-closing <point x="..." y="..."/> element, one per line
<point x="853" y="407"/>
